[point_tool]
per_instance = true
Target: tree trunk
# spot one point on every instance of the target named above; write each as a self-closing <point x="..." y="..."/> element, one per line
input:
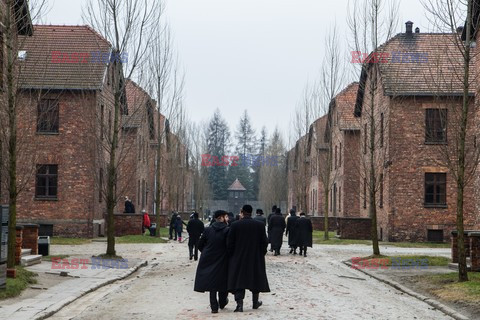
<point x="372" y="183"/>
<point x="325" y="206"/>
<point x="112" y="169"/>
<point x="12" y="143"/>
<point x="462" y="259"/>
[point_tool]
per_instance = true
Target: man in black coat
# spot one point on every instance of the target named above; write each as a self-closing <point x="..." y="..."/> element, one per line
<point x="291" y="231"/>
<point x="247" y="245"/>
<point x="259" y="217"/>
<point x="212" y="269"/>
<point x="195" y="229"/>
<point x="274" y="209"/>
<point x="304" y="233"/>
<point x="129" y="207"/>
<point x="172" y="231"/>
<point x="276" y="227"/>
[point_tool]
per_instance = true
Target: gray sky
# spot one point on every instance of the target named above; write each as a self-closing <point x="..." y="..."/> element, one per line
<point x="249" y="54"/>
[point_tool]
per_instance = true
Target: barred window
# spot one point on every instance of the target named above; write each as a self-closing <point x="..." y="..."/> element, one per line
<point x="47" y="117"/>
<point x="436" y="126"/>
<point x="46" y="185"/>
<point x="435" y="189"/>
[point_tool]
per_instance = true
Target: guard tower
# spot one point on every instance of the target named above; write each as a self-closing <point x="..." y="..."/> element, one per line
<point x="236" y="197"/>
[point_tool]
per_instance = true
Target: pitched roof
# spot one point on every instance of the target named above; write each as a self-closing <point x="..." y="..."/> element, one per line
<point x="236" y="186"/>
<point x="418" y="64"/>
<point x="345" y="105"/>
<point x="136" y="102"/>
<point x="317" y="128"/>
<point x="63" y="57"/>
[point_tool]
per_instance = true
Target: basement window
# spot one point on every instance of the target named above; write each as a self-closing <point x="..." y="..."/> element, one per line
<point x="435" y="235"/>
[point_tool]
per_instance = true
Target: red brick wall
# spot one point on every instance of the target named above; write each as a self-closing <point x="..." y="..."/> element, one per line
<point x="318" y="223"/>
<point x="475" y="250"/>
<point x="131" y="224"/>
<point x="72" y="149"/>
<point x="351" y="175"/>
<point x="355" y="228"/>
<point x="410" y="159"/>
<point x="18" y="244"/>
<point x="30" y="237"/>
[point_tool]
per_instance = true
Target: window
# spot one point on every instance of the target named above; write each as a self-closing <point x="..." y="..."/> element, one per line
<point x="47" y="117"/>
<point x="340" y="156"/>
<point x="339" y="199"/>
<point x="335" y="157"/>
<point x="381" y="129"/>
<point x="110" y="123"/>
<point x="331" y="200"/>
<point x="434" y="235"/>
<point x="144" y="193"/>
<point x="100" y="185"/>
<point x="102" y="119"/>
<point x="139" y="148"/>
<point x="46" y="184"/>
<point x="364" y="193"/>
<point x="381" y="190"/>
<point x="435" y="189"/>
<point x="138" y="193"/>
<point x="436" y="126"/>
<point x="144" y="151"/>
<point x="365" y="139"/>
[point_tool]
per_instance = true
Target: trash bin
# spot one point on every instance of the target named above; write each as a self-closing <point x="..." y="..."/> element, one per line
<point x="44" y="245"/>
<point x="153" y="229"/>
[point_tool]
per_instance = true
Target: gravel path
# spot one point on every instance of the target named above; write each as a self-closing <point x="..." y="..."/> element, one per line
<point x="317" y="287"/>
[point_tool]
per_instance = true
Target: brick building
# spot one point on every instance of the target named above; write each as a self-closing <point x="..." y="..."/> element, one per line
<point x="140" y="134"/>
<point x="415" y="108"/>
<point x="65" y="129"/>
<point x="297" y="176"/>
<point x="343" y="134"/>
<point x="316" y="156"/>
<point x="67" y="116"/>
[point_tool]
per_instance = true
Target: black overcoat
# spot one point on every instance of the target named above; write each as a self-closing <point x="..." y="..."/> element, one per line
<point x="247" y="245"/>
<point x="195" y="228"/>
<point x="261" y="218"/>
<point x="304" y="232"/>
<point x="276" y="227"/>
<point x="292" y="230"/>
<point x="212" y="269"/>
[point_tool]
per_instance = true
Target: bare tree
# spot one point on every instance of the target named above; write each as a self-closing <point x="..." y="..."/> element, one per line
<point x="273" y="189"/>
<point x="371" y="22"/>
<point x="167" y="85"/>
<point x="17" y="19"/>
<point x="332" y="79"/>
<point x="128" y="26"/>
<point x="198" y="147"/>
<point x="461" y="158"/>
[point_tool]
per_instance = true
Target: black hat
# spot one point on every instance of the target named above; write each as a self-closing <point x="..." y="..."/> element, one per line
<point x="219" y="213"/>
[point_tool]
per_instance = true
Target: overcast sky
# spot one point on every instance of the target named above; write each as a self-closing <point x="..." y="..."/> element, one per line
<point x="249" y="54"/>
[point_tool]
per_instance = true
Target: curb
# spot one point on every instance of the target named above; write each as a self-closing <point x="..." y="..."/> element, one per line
<point x="66" y="302"/>
<point x="437" y="305"/>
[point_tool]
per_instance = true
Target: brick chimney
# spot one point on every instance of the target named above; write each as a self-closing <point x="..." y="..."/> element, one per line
<point x="409" y="29"/>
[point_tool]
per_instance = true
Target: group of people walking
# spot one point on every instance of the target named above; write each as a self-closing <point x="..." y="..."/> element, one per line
<point x="232" y="260"/>
<point x="298" y="229"/>
<point x="233" y="250"/>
